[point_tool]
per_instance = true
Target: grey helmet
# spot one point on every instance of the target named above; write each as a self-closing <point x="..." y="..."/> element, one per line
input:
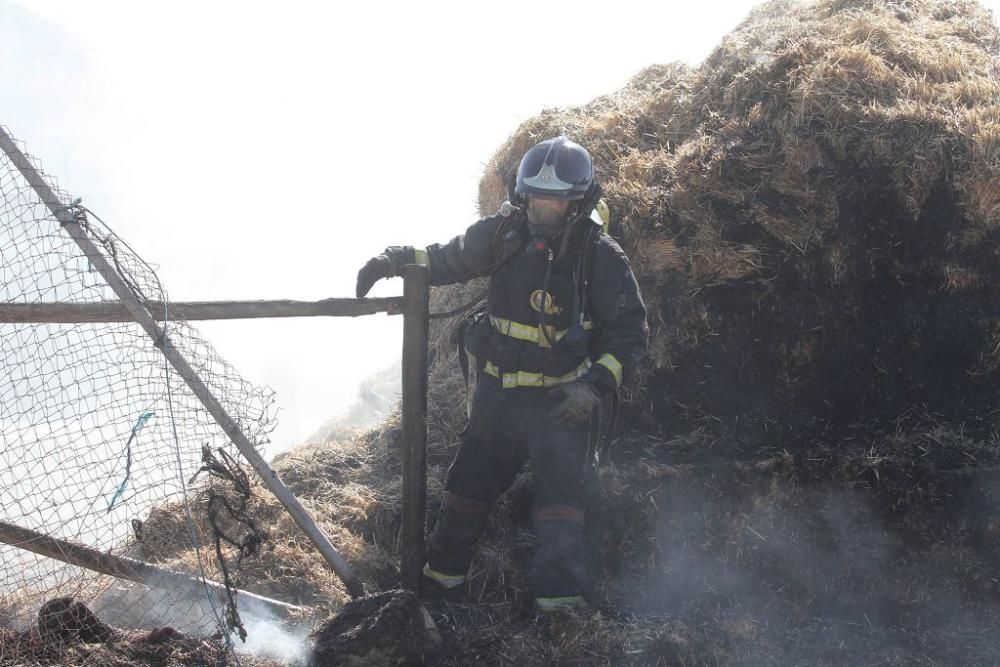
<point x="556" y="168"/>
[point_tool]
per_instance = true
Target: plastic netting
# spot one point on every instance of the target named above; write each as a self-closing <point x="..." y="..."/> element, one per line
<point x="96" y="428"/>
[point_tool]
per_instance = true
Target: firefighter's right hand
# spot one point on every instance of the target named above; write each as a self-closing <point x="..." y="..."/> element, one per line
<point x="389" y="263"/>
<point x="579" y="400"/>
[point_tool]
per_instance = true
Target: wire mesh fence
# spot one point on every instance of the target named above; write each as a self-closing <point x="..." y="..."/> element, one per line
<point x="97" y="430"/>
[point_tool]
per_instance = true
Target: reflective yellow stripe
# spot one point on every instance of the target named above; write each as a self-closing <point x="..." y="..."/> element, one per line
<point x="612" y="364"/>
<point x="420" y="257"/>
<point x="446" y="580"/>
<point x="528" y="379"/>
<point x="531" y="333"/>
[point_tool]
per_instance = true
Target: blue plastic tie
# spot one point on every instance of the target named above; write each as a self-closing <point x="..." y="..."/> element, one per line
<point x="139" y="423"/>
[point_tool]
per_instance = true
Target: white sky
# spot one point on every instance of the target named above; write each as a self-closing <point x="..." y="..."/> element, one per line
<point x="264" y="150"/>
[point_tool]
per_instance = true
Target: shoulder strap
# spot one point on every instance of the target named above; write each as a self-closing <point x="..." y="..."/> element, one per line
<point x="509" y="229"/>
<point x="582" y="271"/>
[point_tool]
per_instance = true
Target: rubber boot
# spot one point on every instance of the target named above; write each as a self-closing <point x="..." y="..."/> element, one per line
<point x="558" y="575"/>
<point x="452" y="544"/>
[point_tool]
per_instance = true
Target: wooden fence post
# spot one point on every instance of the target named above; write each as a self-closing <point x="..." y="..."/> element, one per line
<point x="416" y="294"/>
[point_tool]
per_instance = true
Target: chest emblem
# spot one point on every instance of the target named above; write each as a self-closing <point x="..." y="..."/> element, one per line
<point x="550" y="307"/>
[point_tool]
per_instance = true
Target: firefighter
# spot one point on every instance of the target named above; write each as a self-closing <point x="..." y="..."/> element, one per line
<point x="564" y="323"/>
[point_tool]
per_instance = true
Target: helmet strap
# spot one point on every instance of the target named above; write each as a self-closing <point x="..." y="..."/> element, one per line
<point x="520" y="201"/>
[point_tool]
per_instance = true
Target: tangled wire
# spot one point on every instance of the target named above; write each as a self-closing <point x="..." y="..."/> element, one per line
<point x="244" y="535"/>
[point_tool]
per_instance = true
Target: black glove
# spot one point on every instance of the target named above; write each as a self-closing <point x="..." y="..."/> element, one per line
<point x="389" y="263"/>
<point x="578" y="403"/>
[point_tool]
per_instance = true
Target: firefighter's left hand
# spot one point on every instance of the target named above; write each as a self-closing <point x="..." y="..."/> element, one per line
<point x="389" y="263"/>
<point x="579" y="401"/>
<point x="378" y="267"/>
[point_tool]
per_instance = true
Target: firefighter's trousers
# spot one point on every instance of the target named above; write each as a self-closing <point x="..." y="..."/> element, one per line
<point x="507" y="427"/>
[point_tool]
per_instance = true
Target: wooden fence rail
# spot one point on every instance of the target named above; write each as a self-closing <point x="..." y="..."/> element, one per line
<point x="71" y="313"/>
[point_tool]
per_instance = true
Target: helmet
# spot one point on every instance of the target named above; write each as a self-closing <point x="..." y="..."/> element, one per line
<point x="556" y="168"/>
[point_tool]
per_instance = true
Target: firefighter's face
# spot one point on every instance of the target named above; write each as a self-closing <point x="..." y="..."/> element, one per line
<point x="547" y="216"/>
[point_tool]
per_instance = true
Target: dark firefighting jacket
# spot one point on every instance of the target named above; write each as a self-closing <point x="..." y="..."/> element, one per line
<point x="555" y="313"/>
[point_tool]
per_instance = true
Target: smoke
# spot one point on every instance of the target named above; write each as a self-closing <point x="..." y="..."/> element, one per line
<point x="268" y="638"/>
<point x="766" y="569"/>
<point x="140" y="608"/>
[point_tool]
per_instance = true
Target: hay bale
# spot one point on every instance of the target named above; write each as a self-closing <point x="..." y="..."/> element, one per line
<point x="812" y="214"/>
